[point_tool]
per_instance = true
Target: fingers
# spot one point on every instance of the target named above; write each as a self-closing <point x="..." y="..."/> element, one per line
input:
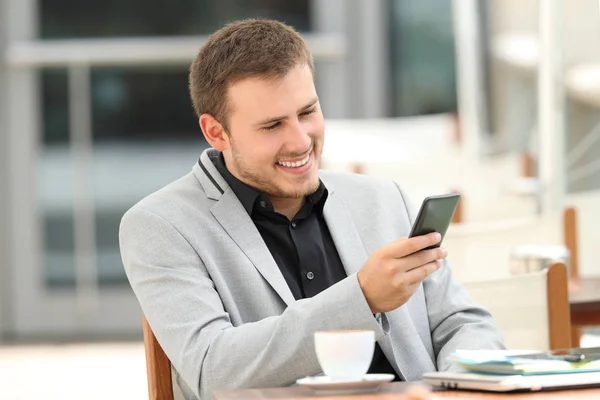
<point x="423" y="257"/>
<point x="416" y="275"/>
<point x="407" y="246"/>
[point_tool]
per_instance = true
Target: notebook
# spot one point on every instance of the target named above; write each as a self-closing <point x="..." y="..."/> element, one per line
<point x="509" y="371"/>
<point x="511" y="383"/>
<point x="519" y="362"/>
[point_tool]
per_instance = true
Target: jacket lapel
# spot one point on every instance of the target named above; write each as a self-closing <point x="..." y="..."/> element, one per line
<point x="234" y="219"/>
<point x="343" y="232"/>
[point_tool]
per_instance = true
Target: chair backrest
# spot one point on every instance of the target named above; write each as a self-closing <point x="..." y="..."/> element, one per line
<point x="158" y="367"/>
<point x="482" y="250"/>
<point x="530" y="310"/>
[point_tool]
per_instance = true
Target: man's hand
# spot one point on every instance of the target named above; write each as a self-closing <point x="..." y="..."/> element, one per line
<point x="393" y="272"/>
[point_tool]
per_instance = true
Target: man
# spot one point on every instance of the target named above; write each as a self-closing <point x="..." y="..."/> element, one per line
<point x="238" y="263"/>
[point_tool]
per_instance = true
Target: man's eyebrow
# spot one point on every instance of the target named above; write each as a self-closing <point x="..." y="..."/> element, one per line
<point x="309" y="104"/>
<point x="271" y="120"/>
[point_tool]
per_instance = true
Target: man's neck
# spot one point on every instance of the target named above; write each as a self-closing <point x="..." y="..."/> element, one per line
<point x="286" y="206"/>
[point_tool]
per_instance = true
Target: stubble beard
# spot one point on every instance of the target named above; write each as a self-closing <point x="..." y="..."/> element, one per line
<point x="257" y="180"/>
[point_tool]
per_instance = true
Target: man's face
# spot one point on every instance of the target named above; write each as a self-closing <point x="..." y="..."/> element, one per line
<point x="276" y="133"/>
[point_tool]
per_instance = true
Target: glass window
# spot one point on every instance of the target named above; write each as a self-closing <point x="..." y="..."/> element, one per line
<point x="145" y="132"/>
<point x="129" y="104"/>
<point x="62" y="19"/>
<point x="422" y="57"/>
<point x="139" y="115"/>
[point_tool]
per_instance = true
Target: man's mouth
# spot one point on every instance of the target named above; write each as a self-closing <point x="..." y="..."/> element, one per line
<point x="295" y="164"/>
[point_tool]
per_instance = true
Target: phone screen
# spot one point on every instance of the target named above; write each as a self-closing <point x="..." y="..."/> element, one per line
<point x="435" y="215"/>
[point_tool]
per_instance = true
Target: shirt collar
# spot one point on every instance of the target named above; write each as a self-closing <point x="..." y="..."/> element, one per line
<point x="250" y="197"/>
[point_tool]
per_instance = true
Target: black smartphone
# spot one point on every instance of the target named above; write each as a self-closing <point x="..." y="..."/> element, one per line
<point x="435" y="215"/>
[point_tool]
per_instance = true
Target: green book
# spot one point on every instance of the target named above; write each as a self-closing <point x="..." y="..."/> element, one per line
<point x="523" y="363"/>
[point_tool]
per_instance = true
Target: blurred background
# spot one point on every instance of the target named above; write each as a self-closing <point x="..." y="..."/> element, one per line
<point x="497" y="99"/>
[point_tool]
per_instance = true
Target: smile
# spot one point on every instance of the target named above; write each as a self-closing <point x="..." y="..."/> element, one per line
<point x="295" y="164"/>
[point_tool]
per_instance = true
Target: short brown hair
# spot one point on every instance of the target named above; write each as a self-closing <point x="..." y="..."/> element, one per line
<point x="243" y="49"/>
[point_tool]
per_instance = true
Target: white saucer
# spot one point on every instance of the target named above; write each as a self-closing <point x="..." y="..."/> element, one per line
<point x="327" y="385"/>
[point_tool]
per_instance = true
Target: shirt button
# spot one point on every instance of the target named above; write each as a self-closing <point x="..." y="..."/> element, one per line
<point x="310" y="276"/>
<point x="294" y="225"/>
<point x="263" y="204"/>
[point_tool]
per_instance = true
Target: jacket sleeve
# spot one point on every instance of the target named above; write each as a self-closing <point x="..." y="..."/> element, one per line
<point x="456" y="322"/>
<point x="187" y="316"/>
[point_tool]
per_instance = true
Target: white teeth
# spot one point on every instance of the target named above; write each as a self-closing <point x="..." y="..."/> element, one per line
<point x="294" y="164"/>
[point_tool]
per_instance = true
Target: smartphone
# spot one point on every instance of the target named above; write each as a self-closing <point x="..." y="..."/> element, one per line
<point x="435" y="215"/>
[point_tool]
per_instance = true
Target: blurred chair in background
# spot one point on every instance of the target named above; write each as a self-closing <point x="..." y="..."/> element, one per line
<point x="530" y="310"/>
<point x="482" y="250"/>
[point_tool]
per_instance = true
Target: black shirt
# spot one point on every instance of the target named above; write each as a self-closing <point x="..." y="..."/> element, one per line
<point x="302" y="248"/>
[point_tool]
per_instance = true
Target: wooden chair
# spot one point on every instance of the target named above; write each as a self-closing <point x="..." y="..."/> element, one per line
<point x="469" y="243"/>
<point x="158" y="367"/>
<point x="571" y="242"/>
<point x="530" y="310"/>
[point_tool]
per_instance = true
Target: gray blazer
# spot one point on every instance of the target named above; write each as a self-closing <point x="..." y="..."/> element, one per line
<point x="223" y="313"/>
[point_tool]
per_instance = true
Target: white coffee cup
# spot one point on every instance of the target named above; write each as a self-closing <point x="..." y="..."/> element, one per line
<point x="345" y="354"/>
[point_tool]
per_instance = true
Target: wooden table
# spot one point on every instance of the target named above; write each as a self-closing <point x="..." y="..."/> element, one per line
<point x="396" y="391"/>
<point x="584" y="297"/>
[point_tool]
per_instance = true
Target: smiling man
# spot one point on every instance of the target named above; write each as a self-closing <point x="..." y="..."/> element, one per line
<point x="237" y="264"/>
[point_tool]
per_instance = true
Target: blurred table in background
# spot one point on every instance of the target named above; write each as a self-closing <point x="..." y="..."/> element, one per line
<point x="584" y="297"/>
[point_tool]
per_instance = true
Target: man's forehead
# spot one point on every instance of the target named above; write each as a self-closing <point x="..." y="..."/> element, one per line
<point x="255" y="82"/>
<point x="271" y="95"/>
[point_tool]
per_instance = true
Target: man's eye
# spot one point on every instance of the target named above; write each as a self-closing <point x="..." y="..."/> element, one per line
<point x="312" y="110"/>
<point x="272" y="126"/>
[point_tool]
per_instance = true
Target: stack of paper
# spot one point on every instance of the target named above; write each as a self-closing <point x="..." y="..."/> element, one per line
<point x="519" y="363"/>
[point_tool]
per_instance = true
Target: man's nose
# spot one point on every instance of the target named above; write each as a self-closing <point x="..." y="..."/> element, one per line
<point x="298" y="138"/>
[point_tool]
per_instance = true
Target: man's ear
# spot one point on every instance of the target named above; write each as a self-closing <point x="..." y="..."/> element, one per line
<point x="214" y="132"/>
